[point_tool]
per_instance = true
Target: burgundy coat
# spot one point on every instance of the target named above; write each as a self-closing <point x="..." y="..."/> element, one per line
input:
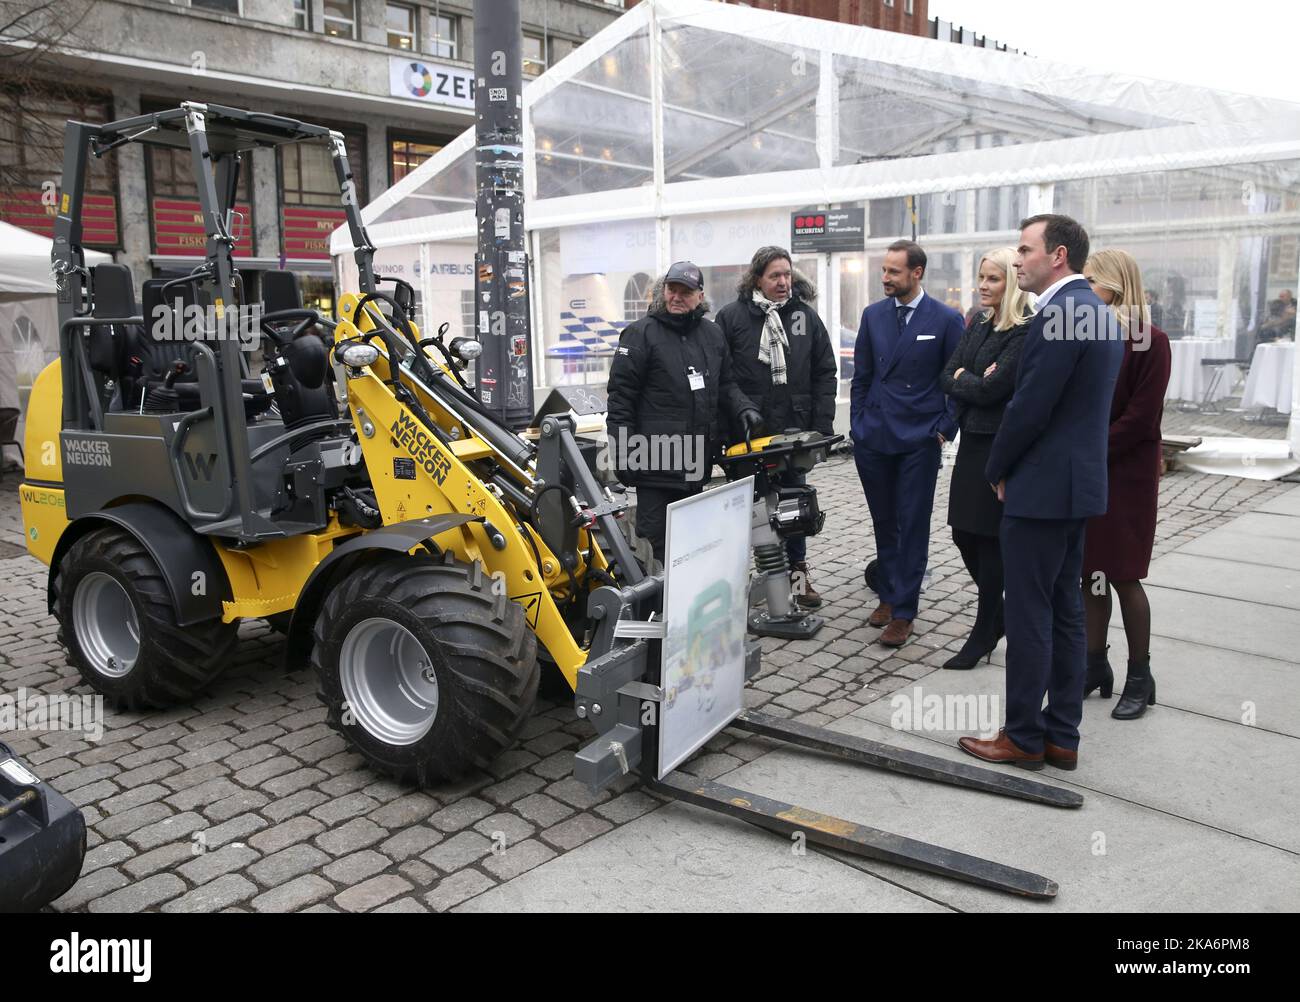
<point x="1119" y="542"/>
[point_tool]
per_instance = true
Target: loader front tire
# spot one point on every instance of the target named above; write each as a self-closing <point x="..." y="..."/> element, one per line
<point x="118" y="623"/>
<point x="423" y="668"/>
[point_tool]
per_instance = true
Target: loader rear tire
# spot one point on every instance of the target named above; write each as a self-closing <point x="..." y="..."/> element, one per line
<point x="423" y="668"/>
<point x="118" y="623"/>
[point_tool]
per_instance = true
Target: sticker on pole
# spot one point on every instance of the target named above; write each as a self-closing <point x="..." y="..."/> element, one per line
<point x="706" y="595"/>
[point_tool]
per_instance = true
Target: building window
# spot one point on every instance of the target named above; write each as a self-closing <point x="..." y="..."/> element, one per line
<point x="400" y="21"/>
<point x="404" y="155"/>
<point x="341" y="18"/>
<point x="534" y="55"/>
<point x="444" y="36"/>
<point x="302" y="14"/>
<point x="220" y="6"/>
<point x="889" y="3"/>
<point x="561" y="47"/>
<point x="307" y="170"/>
<point x="909" y="7"/>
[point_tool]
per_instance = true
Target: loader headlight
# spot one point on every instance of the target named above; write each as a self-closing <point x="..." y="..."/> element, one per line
<point x="466" y="348"/>
<point x="356" y="355"/>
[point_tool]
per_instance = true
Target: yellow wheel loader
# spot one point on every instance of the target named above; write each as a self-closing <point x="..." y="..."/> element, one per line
<point x="416" y="552"/>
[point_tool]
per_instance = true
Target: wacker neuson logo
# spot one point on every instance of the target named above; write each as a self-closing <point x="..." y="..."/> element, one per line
<point x="86" y="452"/>
<point x="102" y="956"/>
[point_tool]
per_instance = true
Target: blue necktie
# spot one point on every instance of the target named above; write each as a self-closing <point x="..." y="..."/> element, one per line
<point x="903" y="313"/>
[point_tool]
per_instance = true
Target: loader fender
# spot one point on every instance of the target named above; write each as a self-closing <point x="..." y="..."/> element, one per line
<point x="194" y="574"/>
<point x="398" y="537"/>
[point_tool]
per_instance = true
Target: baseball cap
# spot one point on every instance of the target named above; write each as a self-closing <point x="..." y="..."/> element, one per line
<point x="685" y="273"/>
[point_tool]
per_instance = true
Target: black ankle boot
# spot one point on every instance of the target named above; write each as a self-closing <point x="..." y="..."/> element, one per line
<point x="1139" y="692"/>
<point x="1100" y="674"/>
<point x="978" y="645"/>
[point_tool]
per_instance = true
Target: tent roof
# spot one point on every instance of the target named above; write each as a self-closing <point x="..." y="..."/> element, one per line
<point x="25" y="262"/>
<point x="809" y="111"/>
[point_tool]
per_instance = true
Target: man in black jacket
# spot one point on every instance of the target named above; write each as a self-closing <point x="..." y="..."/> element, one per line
<point x="784" y="362"/>
<point x="670" y="379"/>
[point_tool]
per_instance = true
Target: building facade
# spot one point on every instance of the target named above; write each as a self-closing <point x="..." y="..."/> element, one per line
<point x="394" y="78"/>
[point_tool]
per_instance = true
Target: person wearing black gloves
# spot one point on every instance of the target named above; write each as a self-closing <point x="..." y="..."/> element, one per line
<point x="669" y="382"/>
<point x="784" y="362"/>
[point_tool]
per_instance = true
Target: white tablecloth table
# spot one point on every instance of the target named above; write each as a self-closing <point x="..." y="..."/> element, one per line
<point x="1188" y="378"/>
<point x="1269" y="382"/>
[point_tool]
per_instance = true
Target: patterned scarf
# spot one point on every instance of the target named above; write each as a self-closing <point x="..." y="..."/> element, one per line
<point x="773" y="343"/>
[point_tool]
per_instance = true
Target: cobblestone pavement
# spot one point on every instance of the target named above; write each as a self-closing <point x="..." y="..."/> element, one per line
<point x="1228" y="420"/>
<point x="247" y="801"/>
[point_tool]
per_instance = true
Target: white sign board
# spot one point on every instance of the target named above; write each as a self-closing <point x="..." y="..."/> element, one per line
<point x="706" y="598"/>
<point x="435" y="83"/>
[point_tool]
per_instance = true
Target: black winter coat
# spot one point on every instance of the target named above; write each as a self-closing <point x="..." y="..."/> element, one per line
<point x="807" y="400"/>
<point x="980" y="400"/>
<point x="650" y="394"/>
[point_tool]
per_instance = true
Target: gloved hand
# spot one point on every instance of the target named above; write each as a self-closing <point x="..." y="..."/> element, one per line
<point x="751" y="422"/>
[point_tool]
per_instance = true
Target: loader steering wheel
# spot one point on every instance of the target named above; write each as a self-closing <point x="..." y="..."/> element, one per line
<point x="305" y="318"/>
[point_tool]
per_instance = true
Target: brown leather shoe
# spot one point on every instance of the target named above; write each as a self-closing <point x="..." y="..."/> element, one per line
<point x="881" y="617"/>
<point x="896" y="633"/>
<point x="1060" y="757"/>
<point x="801" y="587"/>
<point x="1002" y="751"/>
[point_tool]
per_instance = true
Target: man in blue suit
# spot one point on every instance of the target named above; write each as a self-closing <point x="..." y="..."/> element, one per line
<point x="899" y="420"/>
<point x="1048" y="464"/>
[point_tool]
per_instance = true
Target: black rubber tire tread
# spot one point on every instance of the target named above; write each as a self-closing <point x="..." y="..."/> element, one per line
<point x="176" y="663"/>
<point x="478" y="642"/>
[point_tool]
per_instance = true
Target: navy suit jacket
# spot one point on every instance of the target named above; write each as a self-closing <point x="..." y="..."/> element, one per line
<point x="1052" y="444"/>
<point x="896" y="402"/>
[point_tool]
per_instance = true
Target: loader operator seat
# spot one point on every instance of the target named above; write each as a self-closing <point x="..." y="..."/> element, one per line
<point x="162" y="368"/>
<point x="107" y="345"/>
<point x="299" y="368"/>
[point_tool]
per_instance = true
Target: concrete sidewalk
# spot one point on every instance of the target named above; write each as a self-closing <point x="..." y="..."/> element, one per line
<point x="1194" y="807"/>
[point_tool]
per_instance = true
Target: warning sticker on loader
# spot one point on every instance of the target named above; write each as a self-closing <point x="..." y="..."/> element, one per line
<point x="532" y="603"/>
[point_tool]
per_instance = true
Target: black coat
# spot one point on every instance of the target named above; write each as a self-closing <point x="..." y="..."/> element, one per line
<point x="650" y="393"/>
<point x="980" y="400"/>
<point x="807" y="400"/>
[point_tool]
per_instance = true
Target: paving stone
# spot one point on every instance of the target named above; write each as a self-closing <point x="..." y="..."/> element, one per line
<point x="543" y="810"/>
<point x="341" y="808"/>
<point x="165" y="857"/>
<point x="193" y="777"/>
<point x="356" y="834"/>
<point x="255" y="775"/>
<point x="176" y="828"/>
<point x="91" y="887"/>
<point x="295" y="895"/>
<point x="572" y="833"/>
<point x="409" y="842"/>
<point x="457" y="851"/>
<point x="576" y="793"/>
<point x="507" y="827"/>
<point x="406" y="905"/>
<point x="627" y="806"/>
<point x="372" y="893"/>
<point x="517" y="859"/>
<point x="237" y="829"/>
<point x="456" y="888"/>
<point x="140" y="895"/>
<point x="106" y="854"/>
<point x="226" y="890"/>
<point x="89" y="794"/>
<point x="357" y="867"/>
<point x="292" y="782"/>
<point x="460" y="815"/>
<point x="286" y="864"/>
<point x="286" y="833"/>
<point x="127" y="822"/>
<point x="217" y="863"/>
<point x="410" y="809"/>
<point x="133" y="798"/>
<point x="418" y="872"/>
<point x="514" y="788"/>
<point x="203" y="794"/>
<point x="294" y="804"/>
<point x="240" y="803"/>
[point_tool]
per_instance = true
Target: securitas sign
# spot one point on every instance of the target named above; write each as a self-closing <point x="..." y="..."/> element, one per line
<point x="435" y="83"/>
<point x="826" y="232"/>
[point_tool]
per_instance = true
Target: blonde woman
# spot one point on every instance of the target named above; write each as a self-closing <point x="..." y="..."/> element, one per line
<point x="981" y="377"/>
<point x="1117" y="547"/>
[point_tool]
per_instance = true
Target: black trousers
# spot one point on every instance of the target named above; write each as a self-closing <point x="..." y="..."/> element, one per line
<point x="1045" y="635"/>
<point x="982" y="556"/>
<point x="652" y="513"/>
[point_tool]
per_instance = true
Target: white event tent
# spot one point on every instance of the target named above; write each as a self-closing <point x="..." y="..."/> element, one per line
<point x="691" y="129"/>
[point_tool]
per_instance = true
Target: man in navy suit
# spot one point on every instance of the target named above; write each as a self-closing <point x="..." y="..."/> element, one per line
<point x="899" y="420"/>
<point x="1048" y="464"/>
